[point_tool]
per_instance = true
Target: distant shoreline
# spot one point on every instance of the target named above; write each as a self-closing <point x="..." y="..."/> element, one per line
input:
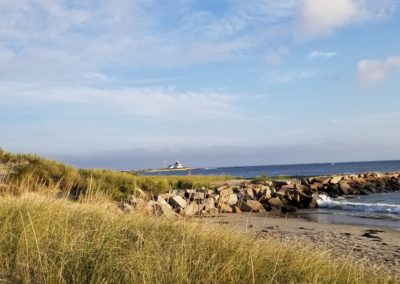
<point x="167" y="170"/>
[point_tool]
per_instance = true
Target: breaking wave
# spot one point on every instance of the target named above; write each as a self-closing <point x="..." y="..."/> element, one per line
<point x="343" y="204"/>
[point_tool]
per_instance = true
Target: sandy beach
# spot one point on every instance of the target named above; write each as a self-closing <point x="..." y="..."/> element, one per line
<point x="373" y="247"/>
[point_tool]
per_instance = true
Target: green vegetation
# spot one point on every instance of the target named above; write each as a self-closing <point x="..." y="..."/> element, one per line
<point x="77" y="181"/>
<point x="260" y="179"/>
<point x="43" y="240"/>
<point x="264" y="178"/>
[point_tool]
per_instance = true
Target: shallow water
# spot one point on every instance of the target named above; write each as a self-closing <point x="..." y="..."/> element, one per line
<point x="382" y="210"/>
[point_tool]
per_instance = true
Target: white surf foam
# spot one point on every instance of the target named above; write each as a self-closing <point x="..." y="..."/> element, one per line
<point x="327" y="202"/>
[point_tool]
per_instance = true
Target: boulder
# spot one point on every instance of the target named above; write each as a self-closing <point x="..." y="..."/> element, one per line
<point x="199" y="196"/>
<point x="288" y="186"/>
<point x="345" y="187"/>
<point x="249" y="192"/>
<point x="335" y="180"/>
<point x="280" y="183"/>
<point x="166" y="196"/>
<point x="178" y="201"/>
<point x="225" y="208"/>
<point x="193" y="208"/>
<point x="209" y="203"/>
<point x="225" y="192"/>
<point x="159" y="209"/>
<point x="232" y="199"/>
<point x="322" y="179"/>
<point x="236" y="209"/>
<point x="162" y="201"/>
<point x="316" y="186"/>
<point x="251" y="206"/>
<point x="275" y="202"/>
<point x="268" y="194"/>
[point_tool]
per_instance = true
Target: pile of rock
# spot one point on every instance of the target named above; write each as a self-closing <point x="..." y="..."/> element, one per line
<point x="283" y="195"/>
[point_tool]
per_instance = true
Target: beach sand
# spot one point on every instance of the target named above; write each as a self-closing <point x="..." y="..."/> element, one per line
<point x="372" y="247"/>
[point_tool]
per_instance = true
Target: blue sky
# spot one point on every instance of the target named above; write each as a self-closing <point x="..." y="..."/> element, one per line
<point x="129" y="84"/>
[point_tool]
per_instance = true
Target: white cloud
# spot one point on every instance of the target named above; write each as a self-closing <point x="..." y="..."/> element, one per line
<point x="95" y="76"/>
<point x="150" y="102"/>
<point x="373" y="71"/>
<point x="286" y="77"/>
<point x="323" y="17"/>
<point x="320" y="17"/>
<point x="315" y="54"/>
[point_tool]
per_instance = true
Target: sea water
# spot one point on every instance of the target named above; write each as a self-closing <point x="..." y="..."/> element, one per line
<point x="293" y="170"/>
<point x="382" y="210"/>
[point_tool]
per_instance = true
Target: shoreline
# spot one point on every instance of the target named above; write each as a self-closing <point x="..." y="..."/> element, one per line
<point x="165" y="170"/>
<point x="370" y="246"/>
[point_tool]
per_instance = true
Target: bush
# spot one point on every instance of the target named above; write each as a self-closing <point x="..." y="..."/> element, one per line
<point x="260" y="179"/>
<point x="185" y="184"/>
<point x="1" y="153"/>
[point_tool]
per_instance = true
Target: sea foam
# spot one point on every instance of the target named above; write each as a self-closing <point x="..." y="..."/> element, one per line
<point x="343" y="204"/>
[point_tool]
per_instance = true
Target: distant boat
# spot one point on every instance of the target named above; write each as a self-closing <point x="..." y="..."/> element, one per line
<point x="176" y="165"/>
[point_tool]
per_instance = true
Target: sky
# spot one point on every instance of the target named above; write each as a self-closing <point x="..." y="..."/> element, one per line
<point x="130" y="84"/>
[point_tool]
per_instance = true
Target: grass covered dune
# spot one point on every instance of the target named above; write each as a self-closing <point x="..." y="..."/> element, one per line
<point x="44" y="240"/>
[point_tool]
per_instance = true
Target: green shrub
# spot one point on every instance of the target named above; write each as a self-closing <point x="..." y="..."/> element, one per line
<point x="185" y="184"/>
<point x="260" y="179"/>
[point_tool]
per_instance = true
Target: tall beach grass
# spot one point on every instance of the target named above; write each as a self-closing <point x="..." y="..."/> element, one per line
<point x="45" y="240"/>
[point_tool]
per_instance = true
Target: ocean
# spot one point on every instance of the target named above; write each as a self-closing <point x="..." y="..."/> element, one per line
<point x="292" y="170"/>
<point x="376" y="210"/>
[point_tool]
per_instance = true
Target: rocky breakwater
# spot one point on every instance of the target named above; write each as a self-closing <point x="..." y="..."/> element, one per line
<point x="277" y="195"/>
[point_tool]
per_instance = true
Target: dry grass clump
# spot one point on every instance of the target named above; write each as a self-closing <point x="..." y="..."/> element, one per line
<point x="44" y="240"/>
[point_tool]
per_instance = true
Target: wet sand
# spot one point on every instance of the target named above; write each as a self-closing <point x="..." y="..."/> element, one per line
<point x="373" y="247"/>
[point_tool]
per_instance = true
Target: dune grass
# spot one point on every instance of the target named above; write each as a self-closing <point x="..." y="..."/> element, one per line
<point x="45" y="240"/>
<point x="77" y="181"/>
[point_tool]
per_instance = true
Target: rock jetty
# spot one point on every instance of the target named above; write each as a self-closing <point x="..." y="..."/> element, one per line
<point x="278" y="195"/>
